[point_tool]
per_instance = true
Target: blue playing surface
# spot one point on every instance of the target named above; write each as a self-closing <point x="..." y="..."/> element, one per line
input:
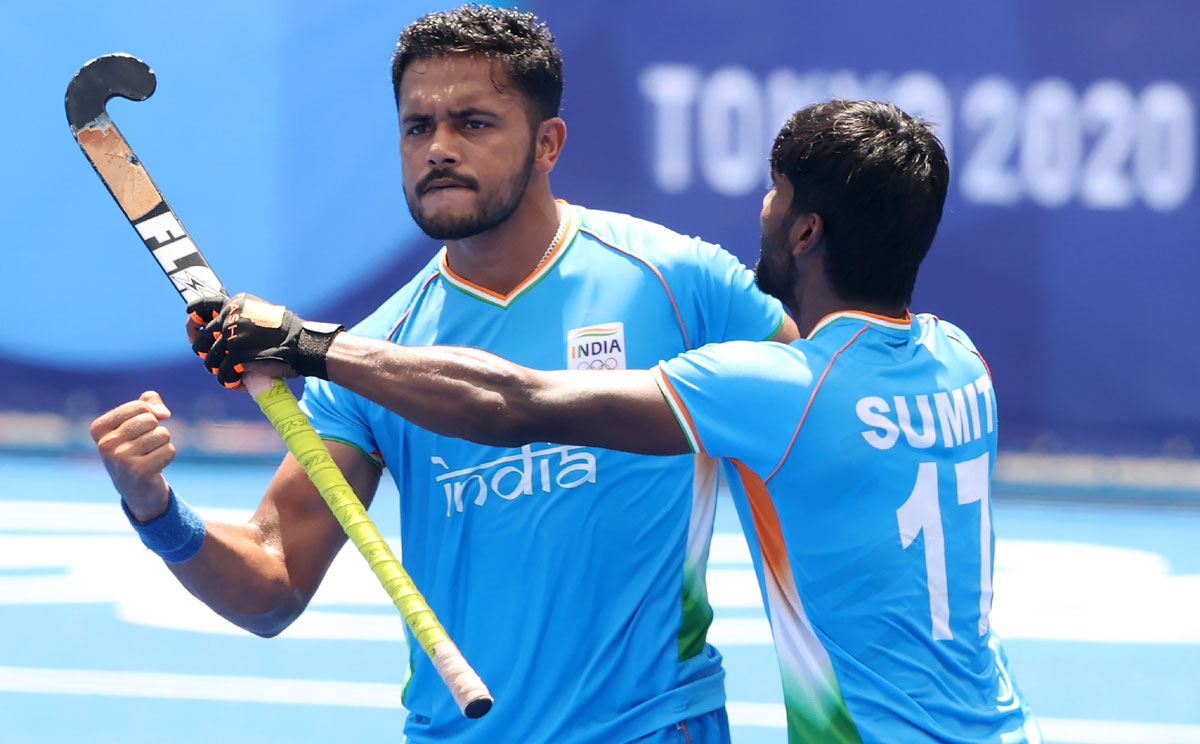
<point x="1098" y="606"/>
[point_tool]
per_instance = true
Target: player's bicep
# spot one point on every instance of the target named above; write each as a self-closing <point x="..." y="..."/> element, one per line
<point x="296" y="522"/>
<point x="618" y="409"/>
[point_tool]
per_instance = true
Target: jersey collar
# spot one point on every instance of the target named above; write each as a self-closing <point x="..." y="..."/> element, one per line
<point x="504" y="300"/>
<point x="895" y="324"/>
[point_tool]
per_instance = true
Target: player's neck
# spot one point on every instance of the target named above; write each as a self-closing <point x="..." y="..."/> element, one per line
<point x="820" y="301"/>
<point x="503" y="257"/>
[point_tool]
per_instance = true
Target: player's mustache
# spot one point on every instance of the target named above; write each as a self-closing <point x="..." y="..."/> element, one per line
<point x="446" y="173"/>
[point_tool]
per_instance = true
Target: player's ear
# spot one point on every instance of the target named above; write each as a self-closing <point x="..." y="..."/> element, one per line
<point x="548" y="143"/>
<point x="806" y="232"/>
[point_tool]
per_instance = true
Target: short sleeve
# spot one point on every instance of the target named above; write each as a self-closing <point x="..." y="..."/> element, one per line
<point x="739" y="400"/>
<point x="339" y="415"/>
<point x="732" y="307"/>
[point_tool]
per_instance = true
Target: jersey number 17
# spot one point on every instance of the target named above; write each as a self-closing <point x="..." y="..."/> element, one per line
<point x="922" y="513"/>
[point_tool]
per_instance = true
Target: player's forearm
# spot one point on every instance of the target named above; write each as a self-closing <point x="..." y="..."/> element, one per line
<point x="453" y="391"/>
<point x="242" y="577"/>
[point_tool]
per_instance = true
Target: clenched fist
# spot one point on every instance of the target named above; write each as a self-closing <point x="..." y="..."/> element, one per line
<point x="136" y="447"/>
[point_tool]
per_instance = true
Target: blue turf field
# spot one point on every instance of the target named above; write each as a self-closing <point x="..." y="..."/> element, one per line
<point x="1099" y="608"/>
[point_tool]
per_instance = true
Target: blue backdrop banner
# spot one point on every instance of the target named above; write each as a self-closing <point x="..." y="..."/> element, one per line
<point x="1067" y="249"/>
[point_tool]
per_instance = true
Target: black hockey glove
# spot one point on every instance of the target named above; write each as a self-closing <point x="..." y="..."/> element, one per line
<point x="244" y="328"/>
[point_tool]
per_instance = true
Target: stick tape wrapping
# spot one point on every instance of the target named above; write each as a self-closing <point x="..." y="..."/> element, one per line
<point x="280" y="407"/>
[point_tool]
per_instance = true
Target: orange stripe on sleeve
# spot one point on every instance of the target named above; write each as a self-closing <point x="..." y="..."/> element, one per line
<point x="424" y="285"/>
<point x="682" y="414"/>
<point x="687" y="344"/>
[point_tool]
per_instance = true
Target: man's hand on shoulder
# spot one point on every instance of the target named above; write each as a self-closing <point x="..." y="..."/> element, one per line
<point x="231" y="333"/>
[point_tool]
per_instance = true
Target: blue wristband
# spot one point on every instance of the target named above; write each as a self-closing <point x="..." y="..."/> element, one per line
<point x="175" y="535"/>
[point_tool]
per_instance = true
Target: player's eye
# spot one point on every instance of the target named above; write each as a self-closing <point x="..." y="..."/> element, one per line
<point x="476" y="124"/>
<point x="417" y="129"/>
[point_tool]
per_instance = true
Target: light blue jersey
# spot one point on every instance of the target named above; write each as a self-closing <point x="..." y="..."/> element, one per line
<point x="572" y="578"/>
<point x="860" y="461"/>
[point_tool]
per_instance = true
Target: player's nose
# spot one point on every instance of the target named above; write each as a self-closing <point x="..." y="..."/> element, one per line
<point x="442" y="148"/>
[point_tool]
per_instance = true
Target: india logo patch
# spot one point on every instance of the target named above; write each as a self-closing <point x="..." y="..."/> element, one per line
<point x="596" y="347"/>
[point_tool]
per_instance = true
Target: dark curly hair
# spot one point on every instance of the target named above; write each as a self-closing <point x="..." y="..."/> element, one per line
<point x="519" y="41"/>
<point x="878" y="178"/>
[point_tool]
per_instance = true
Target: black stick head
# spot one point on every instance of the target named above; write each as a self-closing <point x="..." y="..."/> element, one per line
<point x="102" y="78"/>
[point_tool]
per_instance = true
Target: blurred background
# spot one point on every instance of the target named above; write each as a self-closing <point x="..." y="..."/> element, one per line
<point x="1068" y="251"/>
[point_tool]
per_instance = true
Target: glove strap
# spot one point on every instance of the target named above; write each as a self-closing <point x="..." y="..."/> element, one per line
<point x="313" y="346"/>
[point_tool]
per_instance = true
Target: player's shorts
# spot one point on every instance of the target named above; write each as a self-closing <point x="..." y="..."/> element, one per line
<point x="709" y="728"/>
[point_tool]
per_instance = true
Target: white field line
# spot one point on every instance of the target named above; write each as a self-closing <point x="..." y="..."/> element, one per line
<point x="201" y="687"/>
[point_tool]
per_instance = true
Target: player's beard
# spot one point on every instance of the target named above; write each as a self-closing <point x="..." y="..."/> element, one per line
<point x="775" y="272"/>
<point x="492" y="208"/>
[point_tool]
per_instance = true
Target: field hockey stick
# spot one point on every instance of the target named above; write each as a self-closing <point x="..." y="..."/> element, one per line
<point x="130" y="185"/>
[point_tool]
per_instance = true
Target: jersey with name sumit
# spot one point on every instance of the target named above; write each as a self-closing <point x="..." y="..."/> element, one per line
<point x="860" y="461"/>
